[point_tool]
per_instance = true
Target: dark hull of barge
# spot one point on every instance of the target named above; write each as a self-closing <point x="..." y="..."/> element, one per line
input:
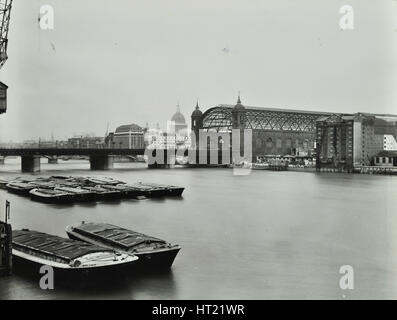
<point x="78" y="278"/>
<point x="166" y="190"/>
<point x="149" y="192"/>
<point x="86" y="197"/>
<point x="19" y="191"/>
<point x="133" y="194"/>
<point x="109" y="196"/>
<point x="82" y="197"/>
<point x="69" y="199"/>
<point x="159" y="258"/>
<point x="175" y="192"/>
<point x="104" y="196"/>
<point x="32" y="250"/>
<point x="125" y="192"/>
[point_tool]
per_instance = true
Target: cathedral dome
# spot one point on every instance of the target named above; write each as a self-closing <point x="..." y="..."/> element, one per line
<point x="178" y="117"/>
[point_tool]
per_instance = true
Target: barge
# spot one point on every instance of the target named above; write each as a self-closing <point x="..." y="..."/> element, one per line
<point x="103" y="181"/>
<point x="86" y="189"/>
<point x="70" y="259"/>
<point x="81" y="195"/>
<point x="52" y="196"/>
<point x="126" y="191"/>
<point x="105" y="194"/>
<point x="148" y="191"/>
<point x="171" y="191"/>
<point x="152" y="252"/>
<point x="19" y="188"/>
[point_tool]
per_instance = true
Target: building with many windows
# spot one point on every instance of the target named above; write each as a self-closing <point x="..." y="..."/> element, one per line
<point x="129" y="136"/>
<point x="350" y="140"/>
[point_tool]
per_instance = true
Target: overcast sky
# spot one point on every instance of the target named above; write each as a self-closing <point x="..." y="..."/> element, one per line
<point x="131" y="61"/>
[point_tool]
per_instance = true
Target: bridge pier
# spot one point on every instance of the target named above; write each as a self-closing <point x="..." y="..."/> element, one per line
<point x="30" y="163"/>
<point x="101" y="162"/>
<point x="53" y="160"/>
<point x="2" y="160"/>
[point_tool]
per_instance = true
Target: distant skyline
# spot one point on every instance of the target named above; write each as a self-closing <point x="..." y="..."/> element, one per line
<point x="130" y="61"/>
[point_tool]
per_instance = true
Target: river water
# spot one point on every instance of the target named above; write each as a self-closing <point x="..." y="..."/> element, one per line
<point x="266" y="235"/>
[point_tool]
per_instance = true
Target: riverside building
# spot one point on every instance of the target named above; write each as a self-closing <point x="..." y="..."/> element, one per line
<point x="346" y="141"/>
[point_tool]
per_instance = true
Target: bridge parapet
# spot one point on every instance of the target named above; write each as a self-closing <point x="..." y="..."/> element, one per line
<point x="5" y="152"/>
<point x="103" y="159"/>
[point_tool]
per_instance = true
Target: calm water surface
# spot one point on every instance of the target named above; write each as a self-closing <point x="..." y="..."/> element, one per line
<point x="268" y="235"/>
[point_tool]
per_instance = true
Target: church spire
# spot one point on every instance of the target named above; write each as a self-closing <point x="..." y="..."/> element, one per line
<point x="178" y="108"/>
<point x="197" y="106"/>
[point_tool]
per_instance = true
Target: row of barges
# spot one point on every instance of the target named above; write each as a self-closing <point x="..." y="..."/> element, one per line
<point x="93" y="249"/>
<point x="62" y="190"/>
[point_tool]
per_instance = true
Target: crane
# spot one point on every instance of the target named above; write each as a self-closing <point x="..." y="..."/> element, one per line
<point x="5" y="11"/>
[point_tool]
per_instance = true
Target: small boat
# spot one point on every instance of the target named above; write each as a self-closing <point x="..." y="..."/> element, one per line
<point x="105" y="194"/>
<point x="51" y="196"/>
<point x="126" y="191"/>
<point x="69" y="259"/>
<point x="152" y="252"/>
<point x="148" y="191"/>
<point x="171" y="191"/>
<point x="80" y="194"/>
<point x="20" y="188"/>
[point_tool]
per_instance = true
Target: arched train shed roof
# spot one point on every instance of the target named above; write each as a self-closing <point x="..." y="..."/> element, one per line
<point x="219" y="118"/>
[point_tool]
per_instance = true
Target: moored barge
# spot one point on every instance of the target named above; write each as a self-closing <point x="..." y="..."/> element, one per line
<point x="171" y="191"/>
<point x="153" y="253"/>
<point x="81" y="195"/>
<point x="105" y="194"/>
<point x="19" y="188"/>
<point x="102" y="181"/>
<point x="147" y="190"/>
<point x="69" y="259"/>
<point x="51" y="196"/>
<point x="125" y="190"/>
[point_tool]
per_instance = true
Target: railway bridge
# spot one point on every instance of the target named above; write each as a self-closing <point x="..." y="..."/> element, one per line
<point x="102" y="158"/>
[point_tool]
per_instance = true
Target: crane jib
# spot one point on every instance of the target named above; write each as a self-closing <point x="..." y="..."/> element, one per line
<point x="5" y="12"/>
